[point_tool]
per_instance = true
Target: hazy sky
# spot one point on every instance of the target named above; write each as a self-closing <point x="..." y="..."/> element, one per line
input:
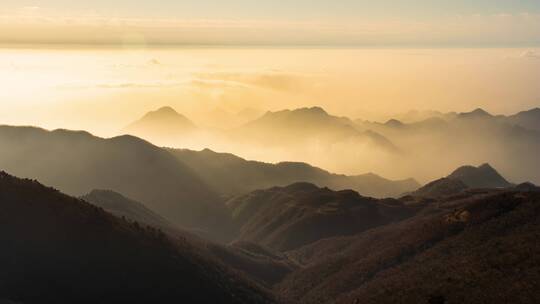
<point x="440" y="55"/>
<point x="100" y="65"/>
<point x="102" y="90"/>
<point x="323" y="22"/>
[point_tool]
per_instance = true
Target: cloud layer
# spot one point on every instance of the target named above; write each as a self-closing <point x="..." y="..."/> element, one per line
<point x="33" y="25"/>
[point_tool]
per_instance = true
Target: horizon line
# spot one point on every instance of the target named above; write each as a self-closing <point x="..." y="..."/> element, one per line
<point x="128" y="46"/>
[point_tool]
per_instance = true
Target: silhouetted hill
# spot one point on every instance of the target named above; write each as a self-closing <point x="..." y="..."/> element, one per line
<point x="215" y="169"/>
<point x="394" y="123"/>
<point x="476" y="114"/>
<point x="461" y="179"/>
<point x="59" y="249"/>
<point x="528" y="119"/>
<point x="77" y="162"/>
<point x="284" y="218"/>
<point x="527" y="187"/>
<point x="257" y="263"/>
<point x="164" y="121"/>
<point x="304" y="120"/>
<point x="264" y="267"/>
<point x="476" y="136"/>
<point x="441" y="187"/>
<point x="479" y="247"/>
<point x="483" y="176"/>
<point x="121" y="206"/>
<point x="308" y="126"/>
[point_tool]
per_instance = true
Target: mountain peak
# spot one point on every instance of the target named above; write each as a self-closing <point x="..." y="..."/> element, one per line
<point x="165" y="113"/>
<point x="166" y="110"/>
<point x="486" y="167"/>
<point x="533" y="111"/>
<point x="484" y="176"/>
<point x="313" y="110"/>
<point x="441" y="187"/>
<point x="301" y="186"/>
<point x="301" y="111"/>
<point x="394" y="123"/>
<point x="477" y="113"/>
<point x="164" y="120"/>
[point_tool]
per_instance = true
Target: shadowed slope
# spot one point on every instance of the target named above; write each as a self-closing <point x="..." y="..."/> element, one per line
<point x="435" y="145"/>
<point x="441" y="187"/>
<point x="77" y="162"/>
<point x="479" y="247"/>
<point x="480" y="177"/>
<point x="289" y="217"/>
<point x="58" y="249"/>
<point x="215" y="168"/>
<point x="162" y="123"/>
<point x="120" y="206"/>
<point x="265" y="268"/>
<point x="528" y="119"/>
<point x="305" y="126"/>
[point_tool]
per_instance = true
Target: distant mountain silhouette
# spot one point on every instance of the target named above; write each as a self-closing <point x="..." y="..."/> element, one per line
<point x="527" y="187"/>
<point x="77" y="162"/>
<point x="483" y="176"/>
<point x="394" y="123"/>
<point x="285" y="218"/>
<point x="304" y="125"/>
<point x="463" y="178"/>
<point x="441" y="187"/>
<point x="528" y="119"/>
<point x="415" y="116"/>
<point x="480" y="247"/>
<point x="463" y="138"/>
<point x="164" y="124"/>
<point x="476" y="114"/>
<point x="215" y="169"/>
<point x="59" y="249"/>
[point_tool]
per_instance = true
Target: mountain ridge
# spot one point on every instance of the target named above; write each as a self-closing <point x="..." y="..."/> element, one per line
<point x="77" y="163"/>
<point x="253" y="175"/>
<point x="483" y="176"/>
<point x="68" y="251"/>
<point x="285" y="218"/>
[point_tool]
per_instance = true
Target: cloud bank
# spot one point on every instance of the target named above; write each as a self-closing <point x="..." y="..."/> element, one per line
<point x="33" y="25"/>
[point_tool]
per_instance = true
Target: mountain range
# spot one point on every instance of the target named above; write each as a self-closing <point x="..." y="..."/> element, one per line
<point x="305" y="126"/>
<point x="445" y="141"/>
<point x="163" y="123"/>
<point x="186" y="188"/>
<point x="59" y="249"/>
<point x="285" y="218"/>
<point x="253" y="260"/>
<point x="409" y="148"/>
<point x="294" y="244"/>
<point x="304" y="134"/>
<point x="479" y="247"/>
<point x="178" y="225"/>
<point x="463" y="178"/>
<point x="231" y="175"/>
<point x="78" y="162"/>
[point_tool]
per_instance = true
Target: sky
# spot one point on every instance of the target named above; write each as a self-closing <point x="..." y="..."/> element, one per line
<point x="100" y="64"/>
<point x="104" y="89"/>
<point x="298" y="22"/>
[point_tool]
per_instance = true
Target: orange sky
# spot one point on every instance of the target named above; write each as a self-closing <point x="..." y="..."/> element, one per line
<point x="104" y="89"/>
